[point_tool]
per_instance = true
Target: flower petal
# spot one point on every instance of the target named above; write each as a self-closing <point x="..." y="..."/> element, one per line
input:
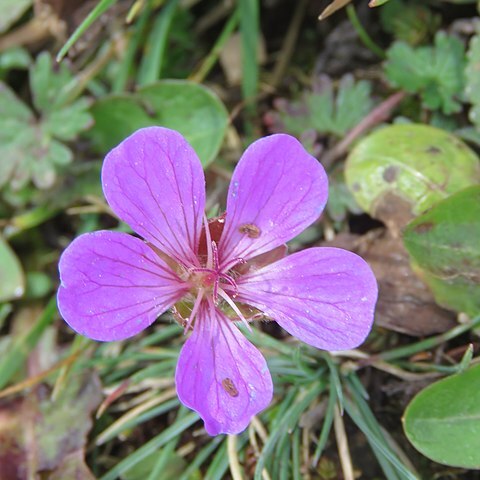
<point x="323" y="296"/>
<point x="154" y="182"/>
<point x="278" y="189"/>
<point x="221" y="375"/>
<point x="113" y="285"/>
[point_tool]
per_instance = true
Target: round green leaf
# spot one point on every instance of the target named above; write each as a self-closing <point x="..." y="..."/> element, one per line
<point x="443" y="243"/>
<point x="12" y="283"/>
<point x="444" y="240"/>
<point x="418" y="163"/>
<point x="192" y="109"/>
<point x="443" y="420"/>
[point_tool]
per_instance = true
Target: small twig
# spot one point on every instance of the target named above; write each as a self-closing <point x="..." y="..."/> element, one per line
<point x="378" y="115"/>
<point x="235" y="468"/>
<point x="342" y="445"/>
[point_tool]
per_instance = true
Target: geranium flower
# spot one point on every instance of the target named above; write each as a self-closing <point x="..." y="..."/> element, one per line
<point x="215" y="273"/>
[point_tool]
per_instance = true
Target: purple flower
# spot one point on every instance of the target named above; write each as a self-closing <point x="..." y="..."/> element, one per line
<point x="214" y="273"/>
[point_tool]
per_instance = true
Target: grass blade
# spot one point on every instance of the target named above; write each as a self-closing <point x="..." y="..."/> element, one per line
<point x="99" y="10"/>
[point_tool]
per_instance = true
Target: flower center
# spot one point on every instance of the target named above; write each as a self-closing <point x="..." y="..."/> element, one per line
<point x="211" y="283"/>
<point x="207" y="280"/>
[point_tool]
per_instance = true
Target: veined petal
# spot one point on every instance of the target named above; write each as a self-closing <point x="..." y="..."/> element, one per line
<point x="277" y="190"/>
<point x="221" y="375"/>
<point x="323" y="296"/>
<point x="113" y="285"/>
<point x="154" y="181"/>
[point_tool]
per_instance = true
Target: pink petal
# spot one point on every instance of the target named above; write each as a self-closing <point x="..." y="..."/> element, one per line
<point x="113" y="285"/>
<point x="278" y="189"/>
<point x="323" y="296"/>
<point x="154" y="182"/>
<point x="221" y="375"/>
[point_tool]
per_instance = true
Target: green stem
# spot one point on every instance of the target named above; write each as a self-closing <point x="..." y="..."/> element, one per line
<point x="212" y="57"/>
<point x="362" y="33"/>
<point x="429" y="342"/>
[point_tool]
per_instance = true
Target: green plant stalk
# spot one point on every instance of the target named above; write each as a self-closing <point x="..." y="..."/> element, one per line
<point x="326" y="427"/>
<point x="288" y="421"/>
<point x="250" y="30"/>
<point x="121" y="79"/>
<point x="99" y="9"/>
<point x="219" y="464"/>
<point x="110" y="433"/>
<point x="429" y="342"/>
<point x="167" y="451"/>
<point x="361" y="414"/>
<point x="362" y="33"/>
<point x="212" y="57"/>
<point x="296" y="464"/>
<point x="201" y="457"/>
<point x="151" y="446"/>
<point x="152" y="61"/>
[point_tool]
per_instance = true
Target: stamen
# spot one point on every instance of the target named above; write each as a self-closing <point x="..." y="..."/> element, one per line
<point x="231" y="281"/>
<point x="234" y="308"/>
<point x="208" y="241"/>
<point x="229" y="265"/>
<point x="215" y="255"/>
<point x="194" y="311"/>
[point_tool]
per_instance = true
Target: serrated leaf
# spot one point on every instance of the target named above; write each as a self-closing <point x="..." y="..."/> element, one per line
<point x="48" y="86"/>
<point x="28" y="145"/>
<point x="417" y="163"/>
<point x="443" y="420"/>
<point x="327" y="112"/>
<point x="67" y="122"/>
<point x="192" y="109"/>
<point x="12" y="281"/>
<point x="435" y="72"/>
<point x="443" y="243"/>
<point x="27" y="152"/>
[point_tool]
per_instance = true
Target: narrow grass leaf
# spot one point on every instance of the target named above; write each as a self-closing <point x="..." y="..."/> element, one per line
<point x="100" y="9"/>
<point x="156" y="45"/>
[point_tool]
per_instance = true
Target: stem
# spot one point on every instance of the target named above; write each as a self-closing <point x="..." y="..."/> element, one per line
<point x="362" y="33"/>
<point x="429" y="342"/>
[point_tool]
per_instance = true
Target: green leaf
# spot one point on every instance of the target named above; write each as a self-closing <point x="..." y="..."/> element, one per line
<point x="417" y="163"/>
<point x="12" y="281"/>
<point x="409" y="21"/>
<point x="443" y="420"/>
<point x="29" y="144"/>
<point x="69" y="121"/>
<point x="472" y="88"/>
<point x="49" y="87"/>
<point x="11" y="11"/>
<point x="192" y="109"/>
<point x="443" y="242"/>
<point x="101" y="7"/>
<point x="14" y="58"/>
<point x="325" y="111"/>
<point x="435" y="72"/>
